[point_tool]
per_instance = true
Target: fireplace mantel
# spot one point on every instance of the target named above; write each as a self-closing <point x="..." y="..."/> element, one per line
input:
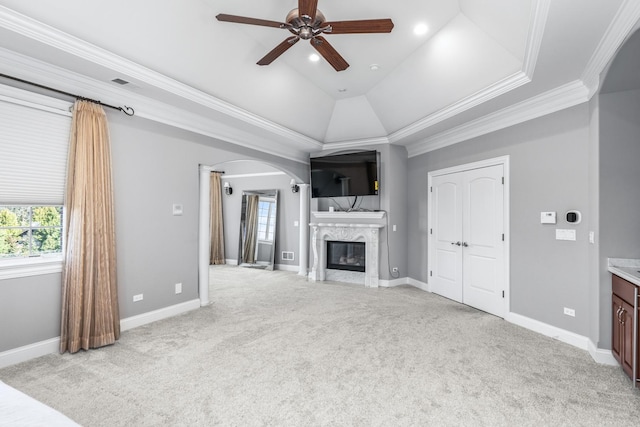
<point x="368" y="233"/>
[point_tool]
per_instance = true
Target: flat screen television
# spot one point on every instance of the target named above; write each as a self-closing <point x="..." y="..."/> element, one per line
<point x="342" y="175"/>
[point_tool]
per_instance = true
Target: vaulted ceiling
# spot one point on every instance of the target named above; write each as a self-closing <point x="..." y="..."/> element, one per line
<point x="480" y="65"/>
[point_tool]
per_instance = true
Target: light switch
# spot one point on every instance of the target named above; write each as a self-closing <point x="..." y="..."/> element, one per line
<point x="177" y="210"/>
<point x="565" y="234"/>
<point x="547" y="217"/>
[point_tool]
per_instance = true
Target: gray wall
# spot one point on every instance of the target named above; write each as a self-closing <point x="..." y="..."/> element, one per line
<point x="619" y="191"/>
<point x="549" y="160"/>
<point x="154" y="166"/>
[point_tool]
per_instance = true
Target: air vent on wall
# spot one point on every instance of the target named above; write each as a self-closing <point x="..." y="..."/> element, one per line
<point x="287" y="256"/>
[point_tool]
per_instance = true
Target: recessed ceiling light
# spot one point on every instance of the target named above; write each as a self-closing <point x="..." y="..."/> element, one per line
<point x="342" y="90"/>
<point x="374" y="67"/>
<point x="314" y="57"/>
<point x="420" y="29"/>
<point x="120" y="81"/>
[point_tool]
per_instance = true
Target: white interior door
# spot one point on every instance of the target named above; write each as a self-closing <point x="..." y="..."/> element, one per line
<point x="467" y="232"/>
<point x="483" y="245"/>
<point x="446" y="217"/>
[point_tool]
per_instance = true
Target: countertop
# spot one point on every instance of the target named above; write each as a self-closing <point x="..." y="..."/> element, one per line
<point x="628" y="269"/>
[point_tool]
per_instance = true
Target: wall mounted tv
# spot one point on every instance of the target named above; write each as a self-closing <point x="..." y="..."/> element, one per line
<point x="341" y="175"/>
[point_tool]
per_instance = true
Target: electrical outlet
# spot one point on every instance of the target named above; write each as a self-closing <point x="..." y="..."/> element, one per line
<point x="138" y="297"/>
<point x="394" y="270"/>
<point x="178" y="288"/>
<point x="570" y="312"/>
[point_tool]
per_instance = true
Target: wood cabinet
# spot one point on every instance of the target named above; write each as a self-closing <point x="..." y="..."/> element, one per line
<point x="624" y="336"/>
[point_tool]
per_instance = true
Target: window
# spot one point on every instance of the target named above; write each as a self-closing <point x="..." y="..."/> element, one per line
<point x="34" y="140"/>
<point x="30" y="231"/>
<point x="266" y="219"/>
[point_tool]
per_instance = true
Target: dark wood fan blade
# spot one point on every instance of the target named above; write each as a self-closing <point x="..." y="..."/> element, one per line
<point x="360" y="27"/>
<point x="308" y="7"/>
<point x="279" y="50"/>
<point x="329" y="53"/>
<point x="252" y="21"/>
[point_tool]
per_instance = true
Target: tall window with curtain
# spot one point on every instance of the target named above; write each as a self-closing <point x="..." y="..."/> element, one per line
<point x="216" y="223"/>
<point x="90" y="313"/>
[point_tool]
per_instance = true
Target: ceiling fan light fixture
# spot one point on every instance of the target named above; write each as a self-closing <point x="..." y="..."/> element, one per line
<point x="374" y="67"/>
<point x="314" y="57"/>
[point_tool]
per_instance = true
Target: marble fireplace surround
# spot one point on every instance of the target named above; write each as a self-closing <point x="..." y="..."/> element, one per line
<point x="365" y="230"/>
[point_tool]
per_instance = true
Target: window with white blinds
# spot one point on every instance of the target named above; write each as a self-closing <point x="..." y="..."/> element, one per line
<point x="34" y="139"/>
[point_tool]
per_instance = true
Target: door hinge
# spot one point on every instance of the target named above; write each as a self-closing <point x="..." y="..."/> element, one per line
<point x="431" y="231"/>
<point x="502" y="294"/>
<point x="503" y="180"/>
<point x="430" y="273"/>
<point x="431" y="189"/>
<point x="503" y="237"/>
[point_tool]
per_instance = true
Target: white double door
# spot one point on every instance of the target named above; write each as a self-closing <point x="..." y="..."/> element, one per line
<point x="467" y="237"/>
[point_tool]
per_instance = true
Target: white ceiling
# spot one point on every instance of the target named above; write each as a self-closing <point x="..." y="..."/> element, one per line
<point x="479" y="64"/>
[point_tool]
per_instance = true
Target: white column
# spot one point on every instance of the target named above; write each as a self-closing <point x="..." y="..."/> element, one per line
<point x="303" y="246"/>
<point x="204" y="235"/>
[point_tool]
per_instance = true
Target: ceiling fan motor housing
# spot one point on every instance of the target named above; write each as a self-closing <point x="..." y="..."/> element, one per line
<point x="303" y="26"/>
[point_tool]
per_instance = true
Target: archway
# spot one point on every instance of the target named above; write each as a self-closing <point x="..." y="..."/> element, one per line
<point x="262" y="174"/>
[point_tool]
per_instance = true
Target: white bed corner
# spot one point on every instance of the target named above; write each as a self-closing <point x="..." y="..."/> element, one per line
<point x="19" y="410"/>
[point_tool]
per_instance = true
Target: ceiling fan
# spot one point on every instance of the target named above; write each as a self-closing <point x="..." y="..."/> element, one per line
<point x="308" y="23"/>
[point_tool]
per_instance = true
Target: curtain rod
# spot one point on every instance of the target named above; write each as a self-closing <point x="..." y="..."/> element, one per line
<point x="217" y="171"/>
<point x="126" y="110"/>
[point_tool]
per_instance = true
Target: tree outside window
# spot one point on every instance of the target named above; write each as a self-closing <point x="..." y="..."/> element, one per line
<point x="28" y="231"/>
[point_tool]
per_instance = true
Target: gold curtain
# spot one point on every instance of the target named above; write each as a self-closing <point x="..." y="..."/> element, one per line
<point x="90" y="313"/>
<point x="216" y="224"/>
<point x="251" y="229"/>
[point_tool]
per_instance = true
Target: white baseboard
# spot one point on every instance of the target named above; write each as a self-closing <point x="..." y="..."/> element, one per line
<point x="27" y="352"/>
<point x="42" y="348"/>
<point x="418" y="284"/>
<point x="287" y="267"/>
<point x="231" y="261"/>
<point x="155" y="315"/>
<point x="602" y="356"/>
<point x="571" y="338"/>
<point x="391" y="283"/>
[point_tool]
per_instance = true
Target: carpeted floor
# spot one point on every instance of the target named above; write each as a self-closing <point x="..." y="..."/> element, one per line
<point x="273" y="349"/>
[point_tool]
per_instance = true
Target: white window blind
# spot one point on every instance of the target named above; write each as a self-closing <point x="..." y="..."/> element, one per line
<point x="34" y="139"/>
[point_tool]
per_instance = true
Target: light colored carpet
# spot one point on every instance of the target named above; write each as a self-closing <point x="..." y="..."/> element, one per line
<point x="274" y="349"/>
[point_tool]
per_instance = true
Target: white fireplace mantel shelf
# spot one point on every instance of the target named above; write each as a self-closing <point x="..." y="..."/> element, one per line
<point x="349" y="215"/>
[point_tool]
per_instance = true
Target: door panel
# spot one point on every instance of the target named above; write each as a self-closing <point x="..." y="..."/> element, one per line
<point x="446" y="279"/>
<point x="483" y="224"/>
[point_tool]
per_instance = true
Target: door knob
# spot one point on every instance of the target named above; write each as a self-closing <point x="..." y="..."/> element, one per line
<point x="465" y="244"/>
<point x="456" y="243"/>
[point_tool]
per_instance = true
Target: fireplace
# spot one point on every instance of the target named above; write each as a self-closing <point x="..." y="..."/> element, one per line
<point x="348" y="256"/>
<point x="365" y="233"/>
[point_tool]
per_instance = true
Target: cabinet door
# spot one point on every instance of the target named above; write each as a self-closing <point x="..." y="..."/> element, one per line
<point x="627" y="338"/>
<point x="616" y="329"/>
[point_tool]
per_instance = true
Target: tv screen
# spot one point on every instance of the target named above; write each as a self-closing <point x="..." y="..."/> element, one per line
<point x="341" y="175"/>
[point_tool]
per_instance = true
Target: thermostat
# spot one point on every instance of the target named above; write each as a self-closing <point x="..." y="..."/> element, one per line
<point x="574" y="217"/>
<point x="547" y="217"/>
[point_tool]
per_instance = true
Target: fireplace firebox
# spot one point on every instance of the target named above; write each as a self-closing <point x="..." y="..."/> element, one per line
<point x="348" y="256"/>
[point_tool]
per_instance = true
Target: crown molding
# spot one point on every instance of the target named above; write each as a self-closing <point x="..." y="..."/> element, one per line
<point x="624" y="21"/>
<point x="506" y="85"/>
<point x="356" y="143"/>
<point x="540" y="12"/>
<point x="565" y="96"/>
<point x="60" y="40"/>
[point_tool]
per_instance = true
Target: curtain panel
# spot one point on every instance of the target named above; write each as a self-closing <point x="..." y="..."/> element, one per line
<point x="90" y="313"/>
<point x="216" y="224"/>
